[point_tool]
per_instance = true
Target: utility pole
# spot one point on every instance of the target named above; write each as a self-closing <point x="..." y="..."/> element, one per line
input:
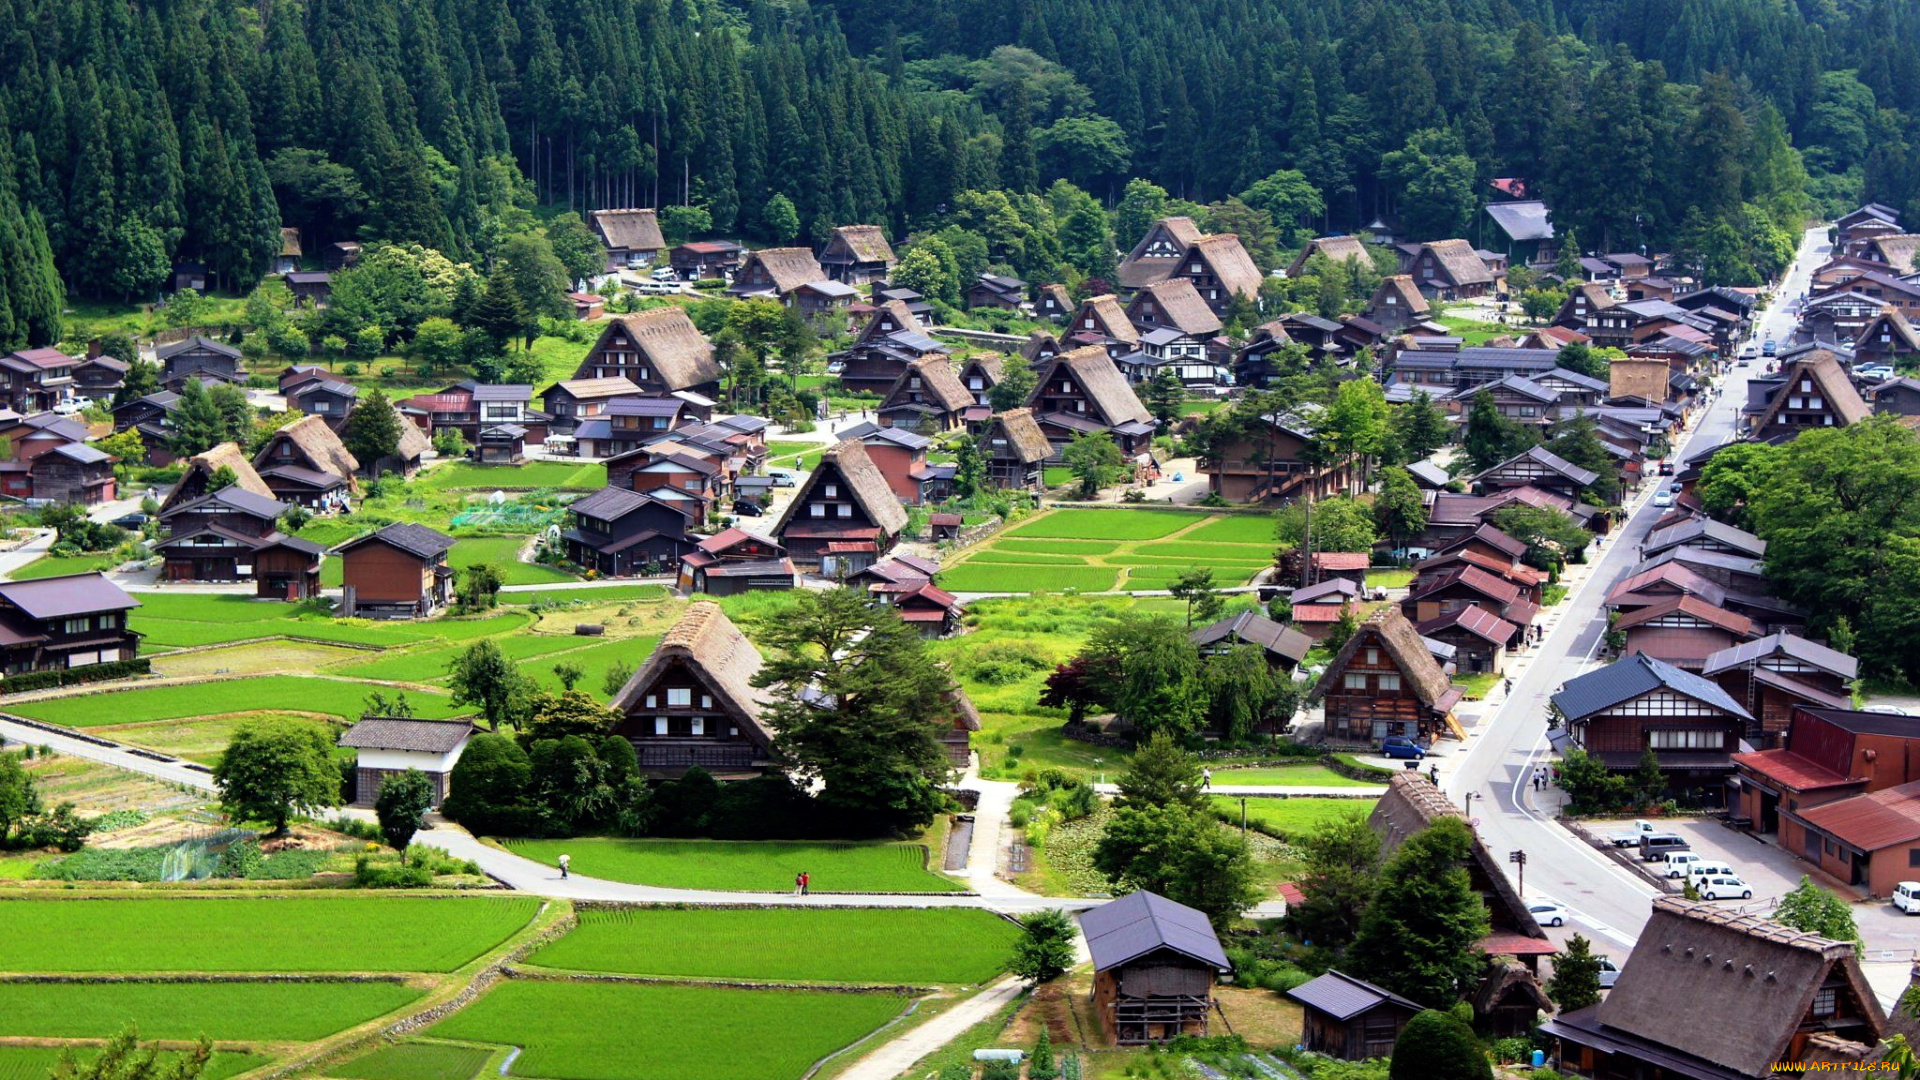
<point x="1243" y="816"/>
<point x="1519" y="858"/>
<point x="1306" y="545"/>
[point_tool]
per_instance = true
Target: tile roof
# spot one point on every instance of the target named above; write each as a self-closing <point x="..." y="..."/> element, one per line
<point x="395" y="733"/>
<point x="70" y="594"/>
<point x="1344" y="997"/>
<point x="413" y="539"/>
<point x="1255" y="629"/>
<point x="1829" y="660"/>
<point x="1142" y="922"/>
<point x="1475" y="620"/>
<point x="1629" y="678"/>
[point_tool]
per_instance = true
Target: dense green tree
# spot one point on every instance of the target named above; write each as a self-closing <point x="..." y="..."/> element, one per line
<point x="1399" y="509"/>
<point x="1491" y="438"/>
<point x="19" y="796"/>
<point x="1438" y="1046"/>
<point x="576" y="246"/>
<point x="1156" y="685"/>
<point x="489" y="784"/>
<point x="1417" y="935"/>
<point x="196" y="423"/>
<point x="1244" y="693"/>
<point x="1576" y="439"/>
<point x="1551" y="536"/>
<point x="1575" y="983"/>
<point x="1016" y="384"/>
<point x="1160" y="773"/>
<point x="122" y="1058"/>
<point x="1095" y="461"/>
<point x="1202" y="596"/>
<point x="1342" y="869"/>
<point x="1045" y="948"/>
<point x="1809" y="907"/>
<point x="1163" y="395"/>
<point x="403" y="801"/>
<point x="1435" y="180"/>
<point x="482" y="675"/>
<point x="1419" y="427"/>
<point x="1183" y="854"/>
<point x="274" y="769"/>
<point x="781" y="219"/>
<point x="1339" y="524"/>
<point x="372" y="429"/>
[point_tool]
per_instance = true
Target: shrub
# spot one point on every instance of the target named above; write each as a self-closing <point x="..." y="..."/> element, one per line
<point x="1508" y="1051"/>
<point x="1001" y="1070"/>
<point x="370" y="875"/>
<point x="242" y="859"/>
<point x="42" y="680"/>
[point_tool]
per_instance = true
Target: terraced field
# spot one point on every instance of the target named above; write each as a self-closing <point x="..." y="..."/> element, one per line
<point x="270" y="693"/>
<point x="746" y="866"/>
<point x="1123" y="550"/>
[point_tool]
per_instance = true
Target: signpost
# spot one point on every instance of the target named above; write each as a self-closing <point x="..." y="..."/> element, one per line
<point x="1519" y="858"/>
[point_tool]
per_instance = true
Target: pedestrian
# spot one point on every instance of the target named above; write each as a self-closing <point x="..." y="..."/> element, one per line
<point x="799" y="884"/>
<point x="1509" y="686"/>
<point x="1433" y="773"/>
<point x="1206" y="778"/>
<point x="564" y="860"/>
<point x="806" y="883"/>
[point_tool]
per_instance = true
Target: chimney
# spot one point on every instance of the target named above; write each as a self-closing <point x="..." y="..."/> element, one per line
<point x="93" y="349"/>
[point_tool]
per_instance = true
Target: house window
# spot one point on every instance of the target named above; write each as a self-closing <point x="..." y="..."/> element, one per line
<point x="1373" y="656"/>
<point x="1824" y="1001"/>
<point x="817" y="510"/>
<point x="660" y="725"/>
<point x="1685" y="739"/>
<point x="706" y="701"/>
<point x="679" y="698"/>
<point x="699" y="725"/>
<point x="1390" y="681"/>
<point x="1354" y="681"/>
<point x="832" y="491"/>
<point x="846" y="510"/>
<point x="78" y="626"/>
<point x="653" y="701"/>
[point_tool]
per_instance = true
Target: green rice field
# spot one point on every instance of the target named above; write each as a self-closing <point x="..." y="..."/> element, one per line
<point x="47" y="566"/>
<point x="632" y="1031"/>
<point x="459" y="476"/>
<point x="1117" y="524"/>
<point x="592" y="595"/>
<point x="180" y="620"/>
<point x="1287" y="776"/>
<point x="38" y="1062"/>
<point x="226" y="1011"/>
<point x="272" y="692"/>
<point x="1121" y="550"/>
<point x="876" y="945"/>
<point x="1291" y="817"/>
<point x="305" y="933"/>
<point x="415" y="1061"/>
<point x="745" y="866"/>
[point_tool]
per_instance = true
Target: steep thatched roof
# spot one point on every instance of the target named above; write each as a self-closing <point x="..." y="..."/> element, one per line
<point x="1024" y="437"/>
<point x="939" y="385"/>
<point x="789" y="267"/>
<point x="1898" y="249"/>
<point x="714" y="650"/>
<point x="1830" y="382"/>
<point x="630" y="230"/>
<point x="848" y="459"/>
<point x="202" y="466"/>
<point x="1337" y="249"/>
<point x="680" y="355"/>
<point x="1894" y="324"/>
<point x="866" y="243"/>
<point x="1180" y="307"/>
<point x="314" y="439"/>
<point x="1388" y="630"/>
<point x="1461" y="262"/>
<point x="1411" y="804"/>
<point x="991" y="366"/>
<point x="1406" y="295"/>
<point x="1094" y="372"/>
<point x="1110" y="319"/>
<point x="413" y="441"/>
<point x="1231" y="264"/>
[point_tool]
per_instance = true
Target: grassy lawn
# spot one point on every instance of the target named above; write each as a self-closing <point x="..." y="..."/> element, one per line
<point x="590" y="595"/>
<point x="1287" y="776"/>
<point x="1475" y="332"/>
<point x="746" y="866"/>
<point x="430" y="665"/>
<point x="613" y="1031"/>
<point x="937" y="945"/>
<point x="270" y="693"/>
<point x="1389" y="579"/>
<point x="307" y="933"/>
<point x="282" y="1011"/>
<point x="38" y="1062"/>
<point x="47" y="566"/>
<point x="560" y="357"/>
<point x="178" y="620"/>
<point x="205" y="740"/>
<point x="1476" y="687"/>
<point x="1106" y="524"/>
<point x="415" y="1061"/>
<point x="461" y="476"/>
<point x="1291" y="817"/>
<point x="1054" y="476"/>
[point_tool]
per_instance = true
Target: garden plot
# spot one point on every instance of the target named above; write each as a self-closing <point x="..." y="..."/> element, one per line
<point x="416" y="1060"/>
<point x="1290" y="818"/>
<point x="222" y="1011"/>
<point x="235" y="934"/>
<point x="746" y="866"/>
<point x="95" y="789"/>
<point x="665" y="1032"/>
<point x="460" y="476"/>
<point x="1123" y="550"/>
<point x="271" y="693"/>
<point x="871" y="946"/>
<point x="205" y="739"/>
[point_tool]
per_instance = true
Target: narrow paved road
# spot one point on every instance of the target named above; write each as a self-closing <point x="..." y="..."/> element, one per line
<point x="1503" y="749"/>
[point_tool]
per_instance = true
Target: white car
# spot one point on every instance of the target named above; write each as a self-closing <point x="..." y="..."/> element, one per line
<point x="1906" y="897"/>
<point x="73" y="405"/>
<point x="1723" y="887"/>
<point x="1548" y="914"/>
<point x="1663" y="498"/>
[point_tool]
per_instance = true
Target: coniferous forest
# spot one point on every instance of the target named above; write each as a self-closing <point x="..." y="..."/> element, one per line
<point x="146" y="132"/>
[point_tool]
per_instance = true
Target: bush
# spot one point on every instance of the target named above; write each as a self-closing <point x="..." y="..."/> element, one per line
<point x="241" y="859"/>
<point x="42" y="680"/>
<point x="1001" y="1070"/>
<point x="1508" y="1051"/>
<point x="370" y="875"/>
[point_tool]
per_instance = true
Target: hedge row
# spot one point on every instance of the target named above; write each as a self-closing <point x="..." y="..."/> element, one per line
<point x="42" y="680"/>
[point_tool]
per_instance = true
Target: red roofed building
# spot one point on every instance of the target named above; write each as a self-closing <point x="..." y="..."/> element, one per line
<point x="735" y="561"/>
<point x="928" y="608"/>
<point x="1479" y="637"/>
<point x="1316" y="620"/>
<point x="1683" y="630"/>
<point x="1351" y="565"/>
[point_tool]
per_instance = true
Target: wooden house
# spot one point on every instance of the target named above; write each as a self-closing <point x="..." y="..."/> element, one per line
<point x="705" y="260"/>
<point x="1350" y="1019"/>
<point x="1397" y="304"/>
<point x="587" y="306"/>
<point x="1446" y="589"/>
<point x="1683" y="630"/>
<point x="1159" y="253"/>
<point x="1053" y="304"/>
<point x="341" y="254"/>
<point x="980" y="374"/>
<point x="1016" y="451"/>
<point x="1827" y="755"/>
<point x="857" y="255"/>
<point x="310" y="288"/>
<point x="1479" y="637"/>
<point x="1082" y="392"/>
<point x="1336" y="250"/>
<point x="1274" y="460"/>
<point x="1528" y="227"/>
<point x="659" y="351"/>
<point x="1712" y="994"/>
<point x="819" y="301"/>
<point x="631" y="236"/>
<point x="617" y="532"/>
<point x="1155" y="963"/>
<point x="1704" y="534"/>
<point x="36" y="379"/>
<point x="197" y="357"/>
<point x="1100" y="320"/>
<point x="1773" y="675"/>
<point x="931" y="610"/>
<point x="735" y="561"/>
<point x="306" y="464"/>
<point x="1637" y="702"/>
<point x="690" y="480"/>
<point x="1283" y="647"/>
<point x="197" y="478"/>
<point x="148" y="415"/>
<point x="1384" y="682"/>
<point x="1450" y="270"/>
<point x="892" y="340"/>
<point x="1896" y="397"/>
<point x="396" y="572"/>
<point x="69" y="471"/>
<point x="626" y="424"/>
<point x="1811" y="391"/>
<point x="776" y="272"/>
<point x="1887" y="339"/>
<point x="234" y="535"/>
<point x="575" y="400"/>
<point x="995" y="291"/>
<point x="844" y="516"/>
<point x="693" y="701"/>
<point x="901" y="456"/>
<point x="387" y="746"/>
<point x="288" y="260"/>
<point x="98" y="376"/>
<point x="927" y="397"/>
<point x="1538" y="467"/>
<point x="329" y="399"/>
<point x="1257" y="362"/>
<point x="1218" y="266"/>
<point x="65" y="622"/>
<point x="1868" y="220"/>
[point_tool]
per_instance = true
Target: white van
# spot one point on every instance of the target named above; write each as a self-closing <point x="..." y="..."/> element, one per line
<point x="1707" y="868"/>
<point x="1680" y="864"/>
<point x="1723" y="887"/>
<point x="1906" y="897"/>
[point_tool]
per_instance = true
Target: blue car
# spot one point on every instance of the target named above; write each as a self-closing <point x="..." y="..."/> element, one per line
<point x="1399" y="746"/>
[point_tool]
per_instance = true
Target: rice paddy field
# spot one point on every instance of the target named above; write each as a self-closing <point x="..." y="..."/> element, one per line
<point x="270" y="693"/>
<point x="569" y="475"/>
<point x="222" y="1011"/>
<point x="745" y="866"/>
<point x="282" y="934"/>
<point x="665" y="1032"/>
<point x="1291" y="817"/>
<point x="38" y="1062"/>
<point x="1118" y="550"/>
<point x="873" y="946"/>
<point x="415" y="1061"/>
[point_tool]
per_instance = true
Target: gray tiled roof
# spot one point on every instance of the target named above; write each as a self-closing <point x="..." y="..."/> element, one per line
<point x="1628" y="678"/>
<point x="394" y="733"/>
<point x="1141" y="922"/>
<point x="1343" y="996"/>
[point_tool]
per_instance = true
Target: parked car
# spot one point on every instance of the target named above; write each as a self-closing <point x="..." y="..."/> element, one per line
<point x="1609" y="973"/>
<point x="1906" y="897"/>
<point x="1549" y="914"/>
<point x="835" y="367"/>
<point x="1876" y="372"/>
<point x="1666" y="467"/>
<point x="1630" y="837"/>
<point x="1399" y="746"/>
<point x="1676" y="486"/>
<point x="73" y="405"/>
<point x="1749" y="351"/>
<point x="1723" y="887"/>
<point x="663" y="273"/>
<point x="1708" y="868"/>
<point x="782" y="478"/>
<point x="1680" y="864"/>
<point x="1655" y="847"/>
<point x="135" y="520"/>
<point x="1770" y="348"/>
<point x="747" y="508"/>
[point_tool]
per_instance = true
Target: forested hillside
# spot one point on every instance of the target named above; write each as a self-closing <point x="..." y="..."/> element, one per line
<point x="146" y="132"/>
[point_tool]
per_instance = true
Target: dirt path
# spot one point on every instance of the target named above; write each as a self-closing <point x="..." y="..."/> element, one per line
<point x="891" y="1059"/>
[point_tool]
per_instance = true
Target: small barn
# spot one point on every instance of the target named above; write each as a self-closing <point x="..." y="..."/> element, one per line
<point x="1154" y="966"/>
<point x="388" y="746"/>
<point x="1348" y="1018"/>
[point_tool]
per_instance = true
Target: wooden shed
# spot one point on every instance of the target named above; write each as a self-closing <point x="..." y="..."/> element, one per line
<point x="1154" y="966"/>
<point x="1348" y="1018"/>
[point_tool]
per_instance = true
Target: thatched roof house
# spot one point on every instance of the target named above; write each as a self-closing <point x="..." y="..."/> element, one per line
<point x="693" y="701"/>
<point x="659" y="350"/>
<point x="844" y="516"/>
<point x="776" y="270"/>
<point x="1411" y="804"/>
<point x="201" y="467"/>
<point x="1400" y="689"/>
